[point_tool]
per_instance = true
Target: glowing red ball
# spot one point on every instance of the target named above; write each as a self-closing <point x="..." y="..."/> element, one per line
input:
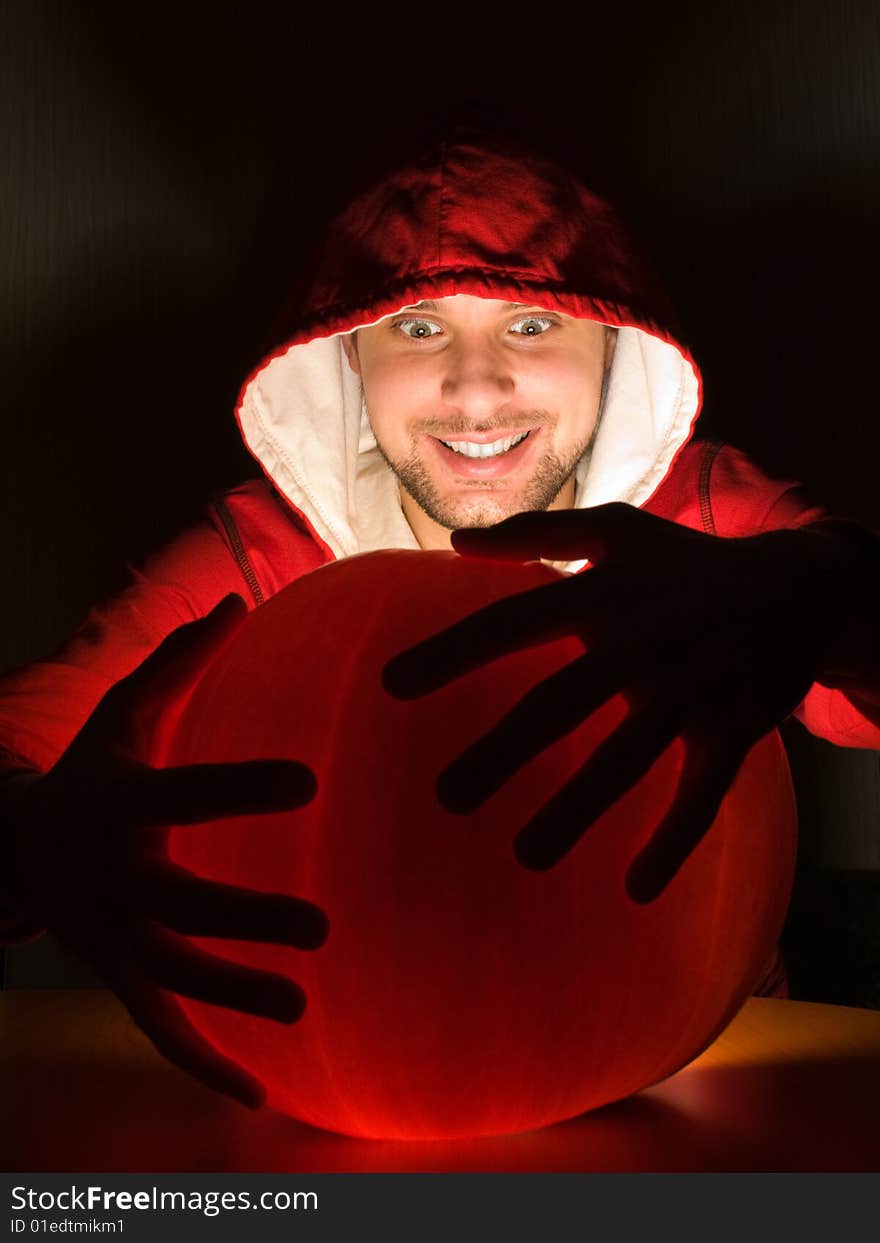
<point x="459" y="993"/>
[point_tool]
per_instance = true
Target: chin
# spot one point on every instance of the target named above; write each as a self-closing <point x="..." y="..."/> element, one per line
<point x="482" y="512"/>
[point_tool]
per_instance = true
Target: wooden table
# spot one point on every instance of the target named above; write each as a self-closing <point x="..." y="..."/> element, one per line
<point x="788" y="1086"/>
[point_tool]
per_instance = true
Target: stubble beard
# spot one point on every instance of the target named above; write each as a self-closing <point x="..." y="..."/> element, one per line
<point x="552" y="474"/>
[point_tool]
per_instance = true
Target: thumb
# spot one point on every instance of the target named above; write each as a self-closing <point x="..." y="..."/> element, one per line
<point x="552" y="535"/>
<point x="169" y="674"/>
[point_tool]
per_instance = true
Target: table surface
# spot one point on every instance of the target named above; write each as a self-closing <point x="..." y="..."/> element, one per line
<point x="788" y="1086"/>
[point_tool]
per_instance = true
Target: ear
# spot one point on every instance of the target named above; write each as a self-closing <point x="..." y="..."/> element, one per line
<point x="349" y="345"/>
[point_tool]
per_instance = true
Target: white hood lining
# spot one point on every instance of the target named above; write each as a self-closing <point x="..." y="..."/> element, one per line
<point x="302" y="417"/>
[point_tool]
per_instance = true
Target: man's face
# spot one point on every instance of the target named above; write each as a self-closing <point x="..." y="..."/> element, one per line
<point x="482" y="408"/>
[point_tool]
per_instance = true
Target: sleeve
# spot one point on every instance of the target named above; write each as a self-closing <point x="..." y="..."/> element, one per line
<point x="44" y="705"/>
<point x="744" y="501"/>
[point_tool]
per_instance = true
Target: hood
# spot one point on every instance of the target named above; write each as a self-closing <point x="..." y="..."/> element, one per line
<point x="475" y="216"/>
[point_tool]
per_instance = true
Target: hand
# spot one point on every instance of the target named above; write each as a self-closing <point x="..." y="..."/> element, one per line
<point x="712" y="640"/>
<point x="89" y="861"/>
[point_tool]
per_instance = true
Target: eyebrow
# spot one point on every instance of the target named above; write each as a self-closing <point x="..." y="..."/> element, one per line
<point x="429" y="305"/>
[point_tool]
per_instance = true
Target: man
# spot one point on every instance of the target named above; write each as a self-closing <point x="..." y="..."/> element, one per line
<point x="479" y="341"/>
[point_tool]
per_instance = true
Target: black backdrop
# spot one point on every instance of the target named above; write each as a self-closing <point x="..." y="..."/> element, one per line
<point x="167" y="166"/>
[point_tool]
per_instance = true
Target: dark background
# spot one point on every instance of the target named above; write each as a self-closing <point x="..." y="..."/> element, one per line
<point x="167" y="168"/>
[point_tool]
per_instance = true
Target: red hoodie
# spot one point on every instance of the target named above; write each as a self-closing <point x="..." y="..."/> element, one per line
<point x="468" y="217"/>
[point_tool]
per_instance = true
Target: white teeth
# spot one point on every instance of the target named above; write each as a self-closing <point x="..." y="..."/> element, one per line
<point x="469" y="449"/>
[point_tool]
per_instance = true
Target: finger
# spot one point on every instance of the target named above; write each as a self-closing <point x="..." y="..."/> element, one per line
<point x="706" y="777"/>
<point x="516" y="622"/>
<point x="161" y="1017"/>
<point x="170" y="671"/>
<point x="156" y="797"/>
<point x="175" y="964"/>
<point x="202" y="908"/>
<point x="548" y="712"/>
<point x="614" y="767"/>
<point x="554" y="535"/>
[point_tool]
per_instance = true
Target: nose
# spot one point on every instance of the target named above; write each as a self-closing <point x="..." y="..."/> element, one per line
<point x="477" y="378"/>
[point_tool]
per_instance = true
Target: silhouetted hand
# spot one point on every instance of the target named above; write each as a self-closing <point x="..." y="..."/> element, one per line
<point x="89" y="860"/>
<point x="713" y="640"/>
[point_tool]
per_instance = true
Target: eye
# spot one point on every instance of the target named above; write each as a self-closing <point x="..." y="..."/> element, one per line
<point x="418" y="329"/>
<point x="531" y="325"/>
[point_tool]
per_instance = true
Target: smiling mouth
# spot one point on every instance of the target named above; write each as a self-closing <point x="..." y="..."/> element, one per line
<point x="494" y="448"/>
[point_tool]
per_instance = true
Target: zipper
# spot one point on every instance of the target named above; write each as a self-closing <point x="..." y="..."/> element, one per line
<point x="241" y="556"/>
<point x="706" y="516"/>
